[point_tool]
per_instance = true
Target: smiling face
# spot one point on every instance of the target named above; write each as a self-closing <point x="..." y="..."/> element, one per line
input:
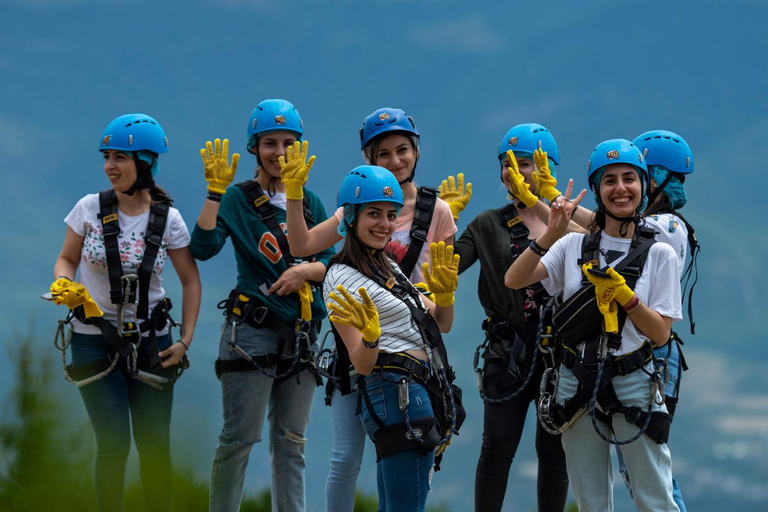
<point x="397" y="154"/>
<point x="120" y="168"/>
<point x="621" y="190"/>
<point x="524" y="165"/>
<point x="272" y="146"/>
<point x="376" y="223"/>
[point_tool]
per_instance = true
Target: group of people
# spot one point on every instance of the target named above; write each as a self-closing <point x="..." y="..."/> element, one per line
<point x="552" y="278"/>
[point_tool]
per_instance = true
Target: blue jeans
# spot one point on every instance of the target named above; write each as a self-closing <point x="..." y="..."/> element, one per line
<point x="671" y="353"/>
<point x="347" y="447"/>
<point x="116" y="403"/>
<point x="588" y="456"/>
<point x="246" y="396"/>
<point x="402" y="477"/>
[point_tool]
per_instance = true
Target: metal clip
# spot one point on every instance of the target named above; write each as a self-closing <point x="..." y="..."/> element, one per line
<point x="402" y="394"/>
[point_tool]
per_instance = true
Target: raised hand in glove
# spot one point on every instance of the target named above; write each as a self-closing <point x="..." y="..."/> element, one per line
<point x="518" y="187"/>
<point x="456" y="197"/>
<point x="444" y="277"/>
<point x="72" y="295"/>
<point x="545" y="182"/>
<point x="218" y="172"/>
<point x="347" y="310"/>
<point x="610" y="291"/>
<point x="294" y="169"/>
<point x="306" y="298"/>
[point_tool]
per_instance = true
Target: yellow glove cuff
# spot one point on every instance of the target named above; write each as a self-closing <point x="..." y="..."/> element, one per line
<point x="444" y="299"/>
<point x="217" y="188"/>
<point x="294" y="189"/>
<point x="550" y="193"/>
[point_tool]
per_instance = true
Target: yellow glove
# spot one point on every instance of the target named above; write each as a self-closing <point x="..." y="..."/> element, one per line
<point x="362" y="316"/>
<point x="72" y="295"/>
<point x="294" y="169"/>
<point x="456" y="197"/>
<point x="218" y="172"/>
<point x="609" y="291"/>
<point x="544" y="181"/>
<point x="444" y="277"/>
<point x="519" y="188"/>
<point x="306" y="298"/>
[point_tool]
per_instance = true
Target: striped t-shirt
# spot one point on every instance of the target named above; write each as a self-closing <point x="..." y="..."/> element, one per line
<point x="399" y="331"/>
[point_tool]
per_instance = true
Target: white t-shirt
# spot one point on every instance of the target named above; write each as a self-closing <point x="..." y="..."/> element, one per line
<point x="658" y="286"/>
<point x="83" y="219"/>
<point x="399" y="331"/>
<point x="670" y="230"/>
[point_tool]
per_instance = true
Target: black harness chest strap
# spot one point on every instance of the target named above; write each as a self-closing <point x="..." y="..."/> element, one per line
<point x="158" y="218"/>
<point x="111" y="230"/>
<point x="267" y="212"/>
<point x="422" y="218"/>
<point x="518" y="231"/>
<point x="153" y="238"/>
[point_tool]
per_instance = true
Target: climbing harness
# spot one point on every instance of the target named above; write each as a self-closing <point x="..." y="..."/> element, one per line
<point x="295" y="352"/>
<point x="544" y="345"/>
<point x="596" y="368"/>
<point x="446" y="396"/>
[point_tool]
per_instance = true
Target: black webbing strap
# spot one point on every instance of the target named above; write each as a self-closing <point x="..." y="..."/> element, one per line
<point x="250" y="311"/>
<point x="111" y="230"/>
<point x="267" y="212"/>
<point x="158" y="217"/>
<point x="422" y="218"/>
<point x="153" y="238"/>
<point x="691" y="269"/>
<point x="518" y="231"/>
<point x="401" y="363"/>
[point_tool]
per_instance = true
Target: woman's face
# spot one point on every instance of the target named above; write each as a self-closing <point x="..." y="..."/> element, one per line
<point x="524" y="165"/>
<point x="120" y="169"/>
<point x="375" y="224"/>
<point x="397" y="155"/>
<point x="621" y="190"/>
<point x="272" y="146"/>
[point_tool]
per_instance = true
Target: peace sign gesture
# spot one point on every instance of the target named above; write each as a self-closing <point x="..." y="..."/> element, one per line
<point x="562" y="209"/>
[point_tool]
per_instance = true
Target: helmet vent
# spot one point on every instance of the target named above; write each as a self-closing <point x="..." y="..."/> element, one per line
<point x="130" y="140"/>
<point x="357" y="192"/>
<point x="687" y="161"/>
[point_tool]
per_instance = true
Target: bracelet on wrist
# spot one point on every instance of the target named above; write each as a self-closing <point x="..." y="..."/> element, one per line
<point x="537" y="249"/>
<point x="371" y="344"/>
<point x="185" y="345"/>
<point x="213" y="196"/>
<point x="64" y="277"/>
<point x="632" y="305"/>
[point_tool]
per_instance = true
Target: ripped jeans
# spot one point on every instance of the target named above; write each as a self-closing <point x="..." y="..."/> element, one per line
<point x="246" y="396"/>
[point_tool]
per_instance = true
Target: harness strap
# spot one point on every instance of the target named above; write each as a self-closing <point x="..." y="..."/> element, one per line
<point x="691" y="269"/>
<point x="267" y="212"/>
<point x="158" y="217"/>
<point x="111" y="230"/>
<point x="422" y="218"/>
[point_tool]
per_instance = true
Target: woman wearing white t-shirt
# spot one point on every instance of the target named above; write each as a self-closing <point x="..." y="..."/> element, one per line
<point x="391" y="335"/>
<point x="618" y="175"/>
<point x="122" y="398"/>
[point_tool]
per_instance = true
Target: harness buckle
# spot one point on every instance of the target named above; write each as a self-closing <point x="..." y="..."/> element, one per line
<point x="422" y="237"/>
<point x="155" y="238"/>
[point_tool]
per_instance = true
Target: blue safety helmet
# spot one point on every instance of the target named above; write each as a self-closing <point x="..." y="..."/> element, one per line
<point x="616" y="151"/>
<point x="368" y="184"/>
<point x="134" y="132"/>
<point x="524" y="139"/>
<point x="385" y="120"/>
<point x="666" y="149"/>
<point x="274" y="115"/>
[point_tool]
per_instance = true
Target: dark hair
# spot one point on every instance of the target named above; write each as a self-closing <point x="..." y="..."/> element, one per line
<point x="156" y="192"/>
<point x="356" y="255"/>
<point x="662" y="205"/>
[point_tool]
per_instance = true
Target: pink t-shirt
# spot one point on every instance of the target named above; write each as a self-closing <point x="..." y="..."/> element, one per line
<point x="441" y="227"/>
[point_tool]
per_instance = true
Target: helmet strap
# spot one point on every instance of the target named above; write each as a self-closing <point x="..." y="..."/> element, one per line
<point x="144" y="178"/>
<point x="625" y="222"/>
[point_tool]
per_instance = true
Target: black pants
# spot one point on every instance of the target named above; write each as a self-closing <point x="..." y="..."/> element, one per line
<point x="502" y="429"/>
